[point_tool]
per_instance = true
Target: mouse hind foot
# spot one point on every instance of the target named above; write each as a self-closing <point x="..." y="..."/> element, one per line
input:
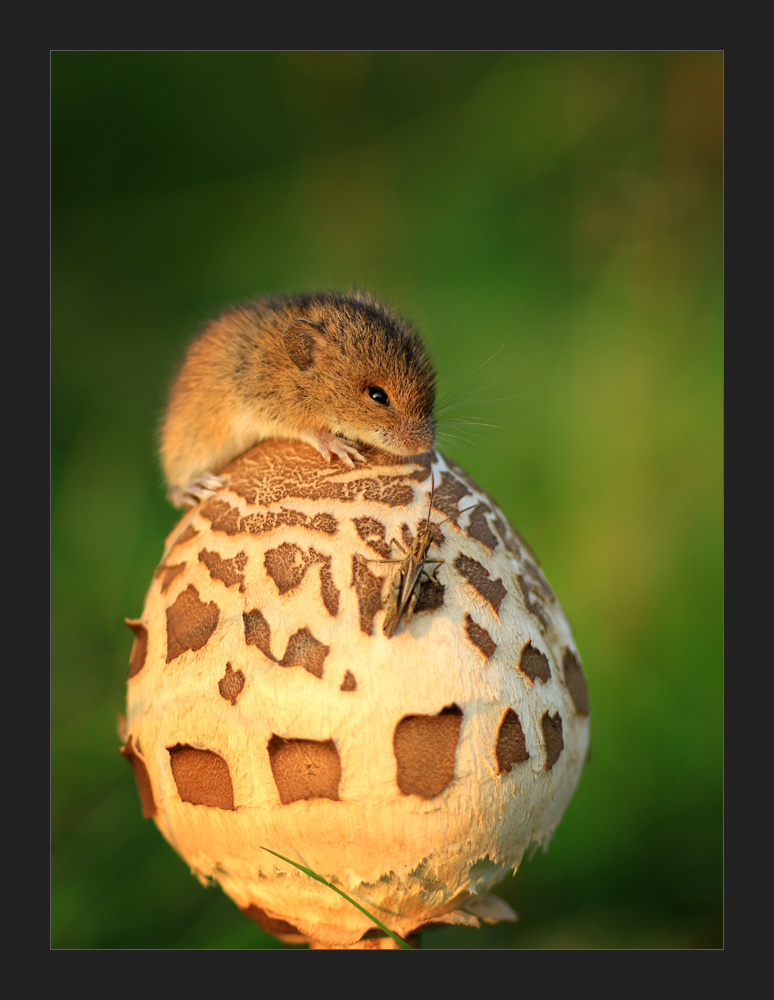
<point x="201" y="488"/>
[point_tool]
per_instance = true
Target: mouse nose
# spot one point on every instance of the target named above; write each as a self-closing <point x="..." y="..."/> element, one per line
<point x="412" y="439"/>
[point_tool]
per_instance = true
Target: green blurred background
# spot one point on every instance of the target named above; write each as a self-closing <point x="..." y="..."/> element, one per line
<point x="553" y="217"/>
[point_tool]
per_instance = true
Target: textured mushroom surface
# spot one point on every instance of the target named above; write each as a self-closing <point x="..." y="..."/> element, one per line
<point x="267" y="708"/>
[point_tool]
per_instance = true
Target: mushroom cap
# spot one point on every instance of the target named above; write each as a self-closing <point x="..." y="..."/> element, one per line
<point x="267" y="708"/>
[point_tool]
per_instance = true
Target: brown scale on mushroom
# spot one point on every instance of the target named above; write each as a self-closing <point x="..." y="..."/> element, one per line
<point x="534" y="664"/>
<point x="374" y="534"/>
<point x="287" y="564"/>
<point x="168" y="573"/>
<point x="478" y="527"/>
<point x="261" y="523"/>
<point x="223" y="517"/>
<point x="493" y="591"/>
<point x="447" y="496"/>
<point x="139" y="646"/>
<point x="202" y="777"/>
<point x="509" y="538"/>
<point x="144" y="786"/>
<point x="302" y="649"/>
<point x="424" y="750"/>
<point x="182" y="539"/>
<point x="328" y="590"/>
<point x="227" y="519"/>
<point x="575" y="680"/>
<point x="536" y="592"/>
<point x="304" y="769"/>
<point x="430" y="596"/>
<point x="257" y="631"/>
<point x="511" y="747"/>
<point x="186" y="536"/>
<point x="368" y="588"/>
<point x="539" y="582"/>
<point x="528" y="593"/>
<point x="231" y="684"/>
<point x="349" y="683"/>
<point x="553" y="737"/>
<point x="228" y="571"/>
<point x="479" y="636"/>
<point x="190" y="623"/>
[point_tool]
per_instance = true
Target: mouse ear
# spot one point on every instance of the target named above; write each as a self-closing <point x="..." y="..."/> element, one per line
<point x="303" y="341"/>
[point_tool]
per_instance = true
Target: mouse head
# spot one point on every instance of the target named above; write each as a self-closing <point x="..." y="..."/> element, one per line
<point x="366" y="368"/>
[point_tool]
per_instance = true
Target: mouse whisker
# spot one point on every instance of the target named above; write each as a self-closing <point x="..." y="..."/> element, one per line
<point x="467" y="437"/>
<point x="479" y="402"/>
<point x="488" y="360"/>
<point x="469" y="422"/>
<point x="453" y="443"/>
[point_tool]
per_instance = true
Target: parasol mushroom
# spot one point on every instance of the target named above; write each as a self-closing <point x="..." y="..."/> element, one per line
<point x="269" y="707"/>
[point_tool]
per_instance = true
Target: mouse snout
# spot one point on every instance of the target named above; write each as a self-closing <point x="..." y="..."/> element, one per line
<point x="411" y="439"/>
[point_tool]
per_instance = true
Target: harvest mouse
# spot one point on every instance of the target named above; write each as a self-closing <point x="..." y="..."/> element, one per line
<point x="327" y="368"/>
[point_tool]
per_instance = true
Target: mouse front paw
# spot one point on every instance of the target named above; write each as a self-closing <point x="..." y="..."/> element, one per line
<point x="201" y="488"/>
<point x="329" y="445"/>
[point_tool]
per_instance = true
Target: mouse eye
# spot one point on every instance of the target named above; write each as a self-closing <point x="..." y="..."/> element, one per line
<point x="378" y="395"/>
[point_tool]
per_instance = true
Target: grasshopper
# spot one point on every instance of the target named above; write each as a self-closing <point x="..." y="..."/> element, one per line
<point x="406" y="582"/>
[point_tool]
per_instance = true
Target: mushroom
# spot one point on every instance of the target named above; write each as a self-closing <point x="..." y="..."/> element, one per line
<point x="269" y="707"/>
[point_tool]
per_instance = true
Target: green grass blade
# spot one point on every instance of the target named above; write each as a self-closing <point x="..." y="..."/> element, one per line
<point x="319" y="878"/>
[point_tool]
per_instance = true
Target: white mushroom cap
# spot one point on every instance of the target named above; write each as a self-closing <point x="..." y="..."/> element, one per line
<point x="266" y="707"/>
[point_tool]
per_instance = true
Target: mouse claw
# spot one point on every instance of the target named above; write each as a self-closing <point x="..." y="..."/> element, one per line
<point x="329" y="445"/>
<point x="201" y="488"/>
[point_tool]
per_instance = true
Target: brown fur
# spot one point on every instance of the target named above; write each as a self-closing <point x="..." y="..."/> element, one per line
<point x="297" y="367"/>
